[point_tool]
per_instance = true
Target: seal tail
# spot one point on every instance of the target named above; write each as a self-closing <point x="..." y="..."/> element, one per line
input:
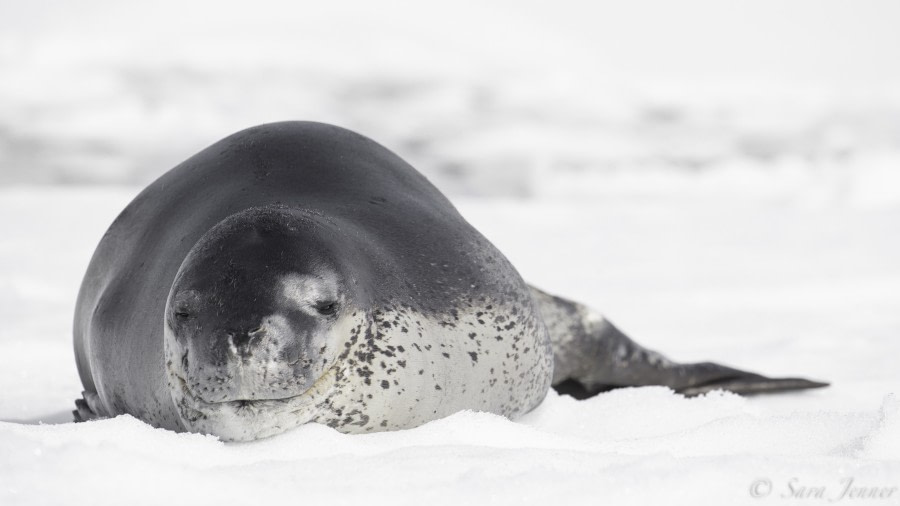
<point x="591" y="355"/>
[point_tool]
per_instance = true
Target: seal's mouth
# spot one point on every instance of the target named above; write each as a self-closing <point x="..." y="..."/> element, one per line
<point x="320" y="386"/>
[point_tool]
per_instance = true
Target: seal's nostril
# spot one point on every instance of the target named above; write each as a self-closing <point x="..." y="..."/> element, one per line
<point x="241" y="343"/>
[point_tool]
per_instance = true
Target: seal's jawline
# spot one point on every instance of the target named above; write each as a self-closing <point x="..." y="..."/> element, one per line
<point x="251" y="403"/>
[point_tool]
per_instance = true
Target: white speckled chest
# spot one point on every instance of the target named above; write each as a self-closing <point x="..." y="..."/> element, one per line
<point x="401" y="368"/>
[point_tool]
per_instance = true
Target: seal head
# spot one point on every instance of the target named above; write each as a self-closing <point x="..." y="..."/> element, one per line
<point x="253" y="322"/>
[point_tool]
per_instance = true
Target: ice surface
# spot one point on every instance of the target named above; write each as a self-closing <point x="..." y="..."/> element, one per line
<point x="771" y="286"/>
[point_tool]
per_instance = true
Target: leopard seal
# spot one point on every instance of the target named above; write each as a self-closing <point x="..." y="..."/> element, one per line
<point x="298" y="272"/>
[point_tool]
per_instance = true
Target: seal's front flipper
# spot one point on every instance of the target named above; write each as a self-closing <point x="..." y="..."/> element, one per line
<point x="87" y="408"/>
<point x="591" y="355"/>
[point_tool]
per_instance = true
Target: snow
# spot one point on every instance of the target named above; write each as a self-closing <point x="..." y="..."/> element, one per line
<point x="765" y="284"/>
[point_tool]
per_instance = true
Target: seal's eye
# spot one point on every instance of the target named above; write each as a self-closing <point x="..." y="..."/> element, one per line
<point x="326" y="307"/>
<point x="185" y="305"/>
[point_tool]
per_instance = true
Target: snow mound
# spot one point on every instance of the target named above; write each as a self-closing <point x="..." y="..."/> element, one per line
<point x="884" y="441"/>
<point x="607" y="445"/>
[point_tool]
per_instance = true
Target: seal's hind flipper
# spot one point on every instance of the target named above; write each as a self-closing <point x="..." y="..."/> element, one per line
<point x="84" y="409"/>
<point x="749" y="384"/>
<point x="591" y="356"/>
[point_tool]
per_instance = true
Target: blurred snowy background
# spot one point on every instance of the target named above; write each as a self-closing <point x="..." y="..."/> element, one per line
<point x="722" y="179"/>
<point x="796" y="99"/>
